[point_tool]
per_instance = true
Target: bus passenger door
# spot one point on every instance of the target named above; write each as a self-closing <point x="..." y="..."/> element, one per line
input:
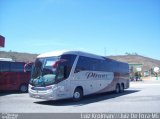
<point x="63" y="89"/>
<point x="63" y="82"/>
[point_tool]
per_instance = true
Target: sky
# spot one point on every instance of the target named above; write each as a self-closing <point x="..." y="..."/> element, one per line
<point x="102" y="27"/>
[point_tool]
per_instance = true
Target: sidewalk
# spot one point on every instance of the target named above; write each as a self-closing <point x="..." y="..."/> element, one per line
<point x="150" y="80"/>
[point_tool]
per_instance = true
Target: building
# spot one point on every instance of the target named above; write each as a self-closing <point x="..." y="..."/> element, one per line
<point x="134" y="68"/>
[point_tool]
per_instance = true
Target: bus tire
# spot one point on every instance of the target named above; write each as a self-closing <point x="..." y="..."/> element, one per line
<point x="122" y="88"/>
<point x="78" y="94"/>
<point x="23" y="88"/>
<point x="117" y="90"/>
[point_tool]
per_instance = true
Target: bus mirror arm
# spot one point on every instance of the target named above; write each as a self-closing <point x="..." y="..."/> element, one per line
<point x="28" y="67"/>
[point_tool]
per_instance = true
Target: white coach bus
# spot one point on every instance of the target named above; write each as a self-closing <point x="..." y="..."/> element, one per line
<point x="74" y="74"/>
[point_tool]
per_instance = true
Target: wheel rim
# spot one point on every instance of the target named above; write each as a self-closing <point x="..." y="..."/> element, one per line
<point x="117" y="89"/>
<point x="122" y="88"/>
<point x="77" y="95"/>
<point x="23" y="88"/>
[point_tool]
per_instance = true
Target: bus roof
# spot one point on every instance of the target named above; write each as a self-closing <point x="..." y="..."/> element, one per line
<point x="59" y="53"/>
<point x="6" y="59"/>
<point x="80" y="53"/>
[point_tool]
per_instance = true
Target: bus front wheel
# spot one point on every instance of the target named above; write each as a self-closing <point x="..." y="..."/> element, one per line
<point x="78" y="94"/>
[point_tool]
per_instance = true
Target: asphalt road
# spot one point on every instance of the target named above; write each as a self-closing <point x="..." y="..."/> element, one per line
<point x="140" y="97"/>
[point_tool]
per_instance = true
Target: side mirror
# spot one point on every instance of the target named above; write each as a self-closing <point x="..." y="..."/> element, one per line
<point x="28" y="67"/>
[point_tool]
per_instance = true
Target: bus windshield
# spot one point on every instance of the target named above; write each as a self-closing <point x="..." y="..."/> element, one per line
<point x="49" y="70"/>
<point x="44" y="71"/>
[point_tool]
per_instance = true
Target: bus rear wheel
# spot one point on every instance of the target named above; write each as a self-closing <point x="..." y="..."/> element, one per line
<point x="117" y="90"/>
<point x="23" y="88"/>
<point x="78" y="94"/>
<point x="122" y="88"/>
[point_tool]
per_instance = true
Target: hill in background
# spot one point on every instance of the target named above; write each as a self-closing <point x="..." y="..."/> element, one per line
<point x="148" y="63"/>
<point x="17" y="56"/>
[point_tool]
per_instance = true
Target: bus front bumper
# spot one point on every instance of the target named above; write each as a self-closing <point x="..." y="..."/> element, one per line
<point x="49" y="94"/>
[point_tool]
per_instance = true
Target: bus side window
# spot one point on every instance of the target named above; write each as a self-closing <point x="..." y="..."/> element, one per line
<point x="66" y="64"/>
<point x="61" y="73"/>
<point x="17" y="67"/>
<point x="80" y="65"/>
<point x="78" y="69"/>
<point x="4" y="66"/>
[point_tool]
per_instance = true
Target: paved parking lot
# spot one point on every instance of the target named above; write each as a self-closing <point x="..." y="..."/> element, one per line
<point x="142" y="96"/>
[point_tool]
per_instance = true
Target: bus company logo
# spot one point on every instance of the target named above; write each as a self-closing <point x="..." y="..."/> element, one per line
<point x="95" y="75"/>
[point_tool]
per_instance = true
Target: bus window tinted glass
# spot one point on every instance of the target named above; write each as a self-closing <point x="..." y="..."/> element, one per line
<point x="17" y="67"/>
<point x="86" y="63"/>
<point x="4" y="66"/>
<point x="69" y="60"/>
